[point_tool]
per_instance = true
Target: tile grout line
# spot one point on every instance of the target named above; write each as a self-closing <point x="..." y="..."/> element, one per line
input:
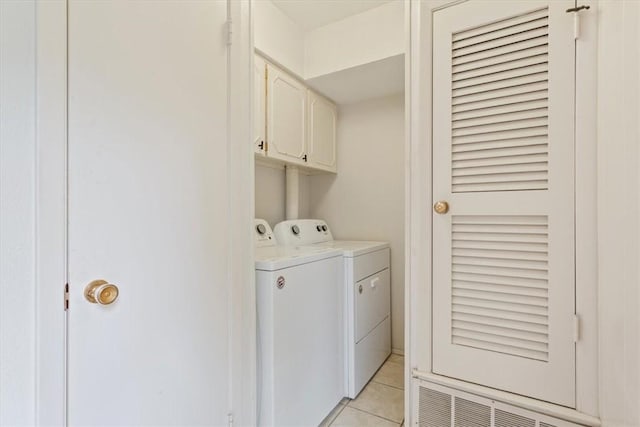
<point x="376" y="415"/>
<point x="388" y="385"/>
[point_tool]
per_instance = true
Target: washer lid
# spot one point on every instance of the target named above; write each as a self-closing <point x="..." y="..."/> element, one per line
<point x="273" y="258"/>
<point x="352" y="248"/>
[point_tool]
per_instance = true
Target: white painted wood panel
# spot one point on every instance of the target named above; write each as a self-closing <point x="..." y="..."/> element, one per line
<point x="286" y="116"/>
<point x="321" y="140"/>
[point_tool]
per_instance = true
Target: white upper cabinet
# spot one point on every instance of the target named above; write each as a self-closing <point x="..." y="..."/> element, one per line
<point x="286" y="117"/>
<point x="321" y="138"/>
<point x="259" y="105"/>
<point x="292" y="124"/>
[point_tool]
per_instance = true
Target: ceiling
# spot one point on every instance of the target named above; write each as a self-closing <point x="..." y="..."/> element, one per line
<point x="311" y="14"/>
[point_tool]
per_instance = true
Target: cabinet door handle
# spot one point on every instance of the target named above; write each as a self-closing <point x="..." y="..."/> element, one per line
<point x="304" y="157"/>
<point x="261" y="145"/>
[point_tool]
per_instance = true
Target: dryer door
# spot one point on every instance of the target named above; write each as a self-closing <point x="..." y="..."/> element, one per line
<point x="372" y="297"/>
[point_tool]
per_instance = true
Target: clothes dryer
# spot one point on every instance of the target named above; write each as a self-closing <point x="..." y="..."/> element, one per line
<point x="367" y="295"/>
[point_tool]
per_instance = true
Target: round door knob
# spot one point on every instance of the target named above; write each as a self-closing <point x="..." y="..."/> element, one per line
<point x="441" y="207"/>
<point x="101" y="292"/>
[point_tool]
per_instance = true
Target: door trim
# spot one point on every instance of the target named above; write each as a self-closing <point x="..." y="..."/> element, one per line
<point x="51" y="214"/>
<point x="418" y="234"/>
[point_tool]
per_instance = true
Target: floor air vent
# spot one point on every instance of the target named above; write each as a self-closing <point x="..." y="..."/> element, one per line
<point x="440" y="406"/>
<point x="471" y="414"/>
<point x="507" y="419"/>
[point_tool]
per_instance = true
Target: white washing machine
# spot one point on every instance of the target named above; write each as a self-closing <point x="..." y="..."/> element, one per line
<point x="300" y="338"/>
<point x="367" y="296"/>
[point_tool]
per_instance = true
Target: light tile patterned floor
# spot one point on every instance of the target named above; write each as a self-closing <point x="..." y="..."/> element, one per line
<point x="380" y="403"/>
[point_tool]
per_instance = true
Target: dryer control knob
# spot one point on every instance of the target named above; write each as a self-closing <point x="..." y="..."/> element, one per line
<point x="261" y="229"/>
<point x="318" y="227"/>
<point x="324" y="228"/>
<point x="295" y="229"/>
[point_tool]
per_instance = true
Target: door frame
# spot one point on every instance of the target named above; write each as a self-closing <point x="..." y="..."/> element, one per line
<point x="418" y="221"/>
<point x="51" y="214"/>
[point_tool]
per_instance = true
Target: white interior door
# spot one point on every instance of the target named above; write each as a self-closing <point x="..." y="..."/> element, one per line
<point x="147" y="114"/>
<point x="503" y="263"/>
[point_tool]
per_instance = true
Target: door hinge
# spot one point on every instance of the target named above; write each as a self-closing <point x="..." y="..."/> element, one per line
<point x="230" y="418"/>
<point x="576" y="19"/>
<point x="229" y="25"/>
<point x="576" y="328"/>
<point x="66" y="297"/>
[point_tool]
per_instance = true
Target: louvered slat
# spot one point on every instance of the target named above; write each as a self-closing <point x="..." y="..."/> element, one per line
<point x="503" y="289"/>
<point x="499" y="254"/>
<point x="500" y="25"/>
<point x="501" y="246"/>
<point x="514" y="65"/>
<point x="499" y="290"/>
<point x="499" y="95"/>
<point x="503" y="59"/>
<point x="498" y="34"/>
<point x="500" y="227"/>
<point x="470" y="164"/>
<point x="495" y="54"/>
<point x="459" y="290"/>
<point x="492" y="88"/>
<point x="487" y="111"/>
<point x="501" y="118"/>
<point x="518" y="136"/>
<point x="500" y="280"/>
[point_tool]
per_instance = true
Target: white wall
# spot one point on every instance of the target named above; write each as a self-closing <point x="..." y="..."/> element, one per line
<point x="618" y="212"/>
<point x="278" y="37"/>
<point x="270" y="194"/>
<point x="357" y="58"/>
<point x="17" y="212"/>
<point x="365" y="200"/>
<point x="367" y="37"/>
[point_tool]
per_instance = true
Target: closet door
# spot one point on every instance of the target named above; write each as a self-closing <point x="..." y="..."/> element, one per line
<point x="286" y="116"/>
<point x="503" y="263"/>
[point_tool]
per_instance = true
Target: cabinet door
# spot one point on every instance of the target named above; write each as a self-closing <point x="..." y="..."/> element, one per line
<point x="286" y="117"/>
<point x="321" y="141"/>
<point x="503" y="144"/>
<point x="259" y="105"/>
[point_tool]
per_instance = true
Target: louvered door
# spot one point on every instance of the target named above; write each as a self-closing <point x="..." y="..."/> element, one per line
<point x="503" y="263"/>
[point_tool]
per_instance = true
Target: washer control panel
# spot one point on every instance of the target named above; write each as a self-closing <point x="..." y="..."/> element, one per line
<point x="296" y="232"/>
<point x="263" y="234"/>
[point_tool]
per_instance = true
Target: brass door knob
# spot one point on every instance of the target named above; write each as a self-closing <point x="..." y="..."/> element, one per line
<point x="441" y="207"/>
<point x="101" y="292"/>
